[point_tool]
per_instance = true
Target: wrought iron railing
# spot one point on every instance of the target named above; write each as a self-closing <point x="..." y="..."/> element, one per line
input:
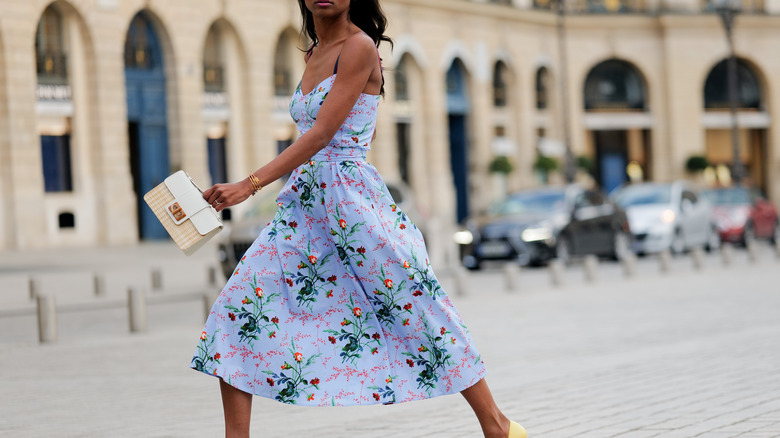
<point x="213" y="78"/>
<point x="52" y="68"/>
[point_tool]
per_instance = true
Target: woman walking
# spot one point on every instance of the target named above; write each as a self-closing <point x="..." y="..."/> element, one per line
<point x="336" y="303"/>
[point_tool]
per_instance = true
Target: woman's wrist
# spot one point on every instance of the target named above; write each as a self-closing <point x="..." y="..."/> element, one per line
<point x="254" y="184"/>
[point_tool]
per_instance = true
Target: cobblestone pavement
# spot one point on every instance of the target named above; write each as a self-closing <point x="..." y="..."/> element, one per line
<point x="681" y="354"/>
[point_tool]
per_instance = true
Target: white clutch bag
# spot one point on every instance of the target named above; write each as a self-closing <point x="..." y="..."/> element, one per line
<point x="179" y="205"/>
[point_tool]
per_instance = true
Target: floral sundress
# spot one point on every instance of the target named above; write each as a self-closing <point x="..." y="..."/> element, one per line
<point x="336" y="303"/>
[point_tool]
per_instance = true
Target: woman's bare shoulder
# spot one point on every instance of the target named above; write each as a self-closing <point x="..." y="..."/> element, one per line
<point x="360" y="44"/>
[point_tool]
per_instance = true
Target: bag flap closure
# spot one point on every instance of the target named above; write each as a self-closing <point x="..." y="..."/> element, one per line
<point x="189" y="204"/>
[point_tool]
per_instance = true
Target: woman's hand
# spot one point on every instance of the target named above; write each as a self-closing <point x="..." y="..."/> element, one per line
<point x="222" y="196"/>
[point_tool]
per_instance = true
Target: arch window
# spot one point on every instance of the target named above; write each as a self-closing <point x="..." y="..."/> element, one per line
<point x="614" y="85"/>
<point x="213" y="70"/>
<point x="50" y="57"/>
<point x="140" y="52"/>
<point x="716" y="89"/>
<point x="500" y="85"/>
<point x="542" y="88"/>
<point x="283" y="68"/>
<point x="402" y="80"/>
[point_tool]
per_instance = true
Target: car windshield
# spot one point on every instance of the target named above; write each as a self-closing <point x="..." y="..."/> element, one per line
<point x="534" y="202"/>
<point x="644" y="195"/>
<point x="733" y="196"/>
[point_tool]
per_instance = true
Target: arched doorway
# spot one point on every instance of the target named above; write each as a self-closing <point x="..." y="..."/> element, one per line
<point x="146" y="117"/>
<point x="457" y="112"/>
<point x="753" y="124"/>
<point x="615" y="98"/>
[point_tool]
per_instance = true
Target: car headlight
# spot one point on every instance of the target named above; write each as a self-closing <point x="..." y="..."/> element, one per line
<point x="463" y="237"/>
<point x="533" y="234"/>
<point x="667" y="216"/>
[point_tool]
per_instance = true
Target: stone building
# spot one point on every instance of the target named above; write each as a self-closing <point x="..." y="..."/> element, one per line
<point x="101" y="99"/>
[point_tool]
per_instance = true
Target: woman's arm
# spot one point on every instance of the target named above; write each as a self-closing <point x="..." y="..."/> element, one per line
<point x="356" y="66"/>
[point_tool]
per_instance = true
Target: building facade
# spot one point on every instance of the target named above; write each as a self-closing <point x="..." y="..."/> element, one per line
<point x="101" y="99"/>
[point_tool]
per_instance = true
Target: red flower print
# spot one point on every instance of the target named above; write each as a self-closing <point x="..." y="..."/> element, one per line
<point x="402" y="226"/>
<point x="443" y="331"/>
<point x="288" y="237"/>
<point x="270" y="381"/>
<point x="289" y="282"/>
<point x="232" y="316"/>
<point x="361" y="250"/>
<point x="279" y="204"/>
<point x="417" y="293"/>
<point x="311" y="397"/>
<point x="393" y="207"/>
<point x="406" y="264"/>
<point x="275" y="320"/>
<point x="360" y="263"/>
<point x="298" y="357"/>
<point x="271" y="335"/>
<point x="376" y="336"/>
<point x="259" y="292"/>
<point x="315" y="381"/>
<point x="203" y="336"/>
<point x="376" y="396"/>
<point x="286" y="366"/>
<point x="324" y="186"/>
<point x="346" y="322"/>
<point x="422" y="349"/>
<point x="452" y="340"/>
<point x="312" y="259"/>
<point x="408" y="306"/>
<point x="245" y="300"/>
<point x="374" y="350"/>
<point x="293" y="224"/>
<point x="342" y="223"/>
<point x="406" y="321"/>
<point x="388" y="380"/>
<point x="357" y="311"/>
<point x="301" y="265"/>
<point x="355" y="139"/>
<point x="217" y="356"/>
<point x="311" y="163"/>
<point x="332" y="339"/>
<point x="329" y="294"/>
<point x="388" y="283"/>
<point x="332" y="278"/>
<point x="410" y="362"/>
<point x="294" y="188"/>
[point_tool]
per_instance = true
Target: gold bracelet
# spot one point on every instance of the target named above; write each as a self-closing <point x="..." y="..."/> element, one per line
<point x="255" y="183"/>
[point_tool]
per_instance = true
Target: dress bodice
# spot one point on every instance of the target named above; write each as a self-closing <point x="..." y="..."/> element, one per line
<point x="353" y="138"/>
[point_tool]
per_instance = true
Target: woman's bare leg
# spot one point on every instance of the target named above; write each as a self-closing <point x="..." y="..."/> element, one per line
<point x="493" y="422"/>
<point x="238" y="410"/>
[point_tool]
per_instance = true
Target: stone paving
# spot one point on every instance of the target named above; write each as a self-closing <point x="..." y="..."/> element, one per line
<point x="682" y="354"/>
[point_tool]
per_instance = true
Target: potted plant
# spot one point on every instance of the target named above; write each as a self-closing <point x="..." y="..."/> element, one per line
<point x="544" y="165"/>
<point x="500" y="167"/>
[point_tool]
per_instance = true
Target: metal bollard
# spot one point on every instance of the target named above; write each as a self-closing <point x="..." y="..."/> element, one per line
<point x="726" y="254"/>
<point x="511" y="273"/>
<point x="99" y="285"/>
<point x="157" y="281"/>
<point x="35" y="288"/>
<point x="665" y="261"/>
<point x="136" y="306"/>
<point x="555" y="267"/>
<point x="697" y="258"/>
<point x="461" y="281"/>
<point x="752" y="251"/>
<point x="628" y="262"/>
<point x="47" y="319"/>
<point x="590" y="265"/>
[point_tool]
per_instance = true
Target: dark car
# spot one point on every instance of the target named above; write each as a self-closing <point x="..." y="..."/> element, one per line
<point x="534" y="226"/>
<point x="743" y="214"/>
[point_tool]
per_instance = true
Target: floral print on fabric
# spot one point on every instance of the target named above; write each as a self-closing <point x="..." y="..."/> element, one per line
<point x="336" y="303"/>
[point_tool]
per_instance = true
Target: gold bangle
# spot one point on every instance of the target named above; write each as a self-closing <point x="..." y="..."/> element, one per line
<point x="255" y="181"/>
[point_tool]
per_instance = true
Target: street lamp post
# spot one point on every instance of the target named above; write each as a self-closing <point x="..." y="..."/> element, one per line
<point x="727" y="10"/>
<point x="569" y="170"/>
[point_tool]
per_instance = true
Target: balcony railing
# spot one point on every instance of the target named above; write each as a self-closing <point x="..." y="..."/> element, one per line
<point x="213" y="78"/>
<point x="577" y="7"/>
<point x="52" y="68"/>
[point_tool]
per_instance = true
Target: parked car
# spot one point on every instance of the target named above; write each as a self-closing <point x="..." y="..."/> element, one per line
<point x="240" y="233"/>
<point x="668" y="216"/>
<point x="743" y="214"/>
<point x="536" y="225"/>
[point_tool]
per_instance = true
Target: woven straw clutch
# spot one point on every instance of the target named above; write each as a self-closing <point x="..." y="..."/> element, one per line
<point x="179" y="205"/>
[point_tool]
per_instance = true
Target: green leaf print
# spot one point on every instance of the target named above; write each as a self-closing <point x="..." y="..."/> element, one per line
<point x="206" y="358"/>
<point x="253" y="317"/>
<point x="356" y="332"/>
<point x="431" y="356"/>
<point x="292" y="381"/>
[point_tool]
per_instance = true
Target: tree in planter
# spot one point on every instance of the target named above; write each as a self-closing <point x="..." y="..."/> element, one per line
<point x="544" y="165"/>
<point x="500" y="167"/>
<point x="586" y="164"/>
<point x="696" y="163"/>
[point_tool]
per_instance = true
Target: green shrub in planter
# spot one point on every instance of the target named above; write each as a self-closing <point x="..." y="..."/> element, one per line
<point x="545" y="164"/>
<point x="696" y="163"/>
<point x="500" y="164"/>
<point x="585" y="163"/>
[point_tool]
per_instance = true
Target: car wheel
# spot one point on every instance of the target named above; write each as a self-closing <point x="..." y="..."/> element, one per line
<point x="472" y="263"/>
<point x="678" y="243"/>
<point x="776" y="234"/>
<point x="749" y="235"/>
<point x="563" y="250"/>
<point x="713" y="240"/>
<point x="621" y="246"/>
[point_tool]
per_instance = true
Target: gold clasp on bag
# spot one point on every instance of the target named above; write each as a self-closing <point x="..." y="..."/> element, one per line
<point x="177" y="212"/>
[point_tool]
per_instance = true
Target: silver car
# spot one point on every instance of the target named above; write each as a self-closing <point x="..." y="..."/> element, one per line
<point x="239" y="234"/>
<point x="668" y="216"/>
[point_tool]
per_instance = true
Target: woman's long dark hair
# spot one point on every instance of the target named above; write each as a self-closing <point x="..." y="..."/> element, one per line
<point x="365" y="14"/>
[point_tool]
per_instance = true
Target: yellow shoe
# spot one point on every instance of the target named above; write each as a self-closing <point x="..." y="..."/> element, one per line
<point x="516" y="431"/>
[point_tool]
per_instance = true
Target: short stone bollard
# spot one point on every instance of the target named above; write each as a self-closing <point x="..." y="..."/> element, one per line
<point x="511" y="273"/>
<point x="555" y="268"/>
<point x="35" y="288"/>
<point x="590" y="267"/>
<point x="697" y="258"/>
<point x="212" y="275"/>
<point x="665" y="261"/>
<point x="752" y="251"/>
<point x="461" y="281"/>
<point x="99" y="285"/>
<point x="136" y="306"/>
<point x="47" y="319"/>
<point x="776" y="249"/>
<point x="628" y="263"/>
<point x="157" y="280"/>
<point x="726" y="254"/>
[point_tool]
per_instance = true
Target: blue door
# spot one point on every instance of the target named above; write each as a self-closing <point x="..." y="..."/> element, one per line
<point x="611" y="159"/>
<point x="458" y="108"/>
<point x="613" y="171"/>
<point x="147" y="118"/>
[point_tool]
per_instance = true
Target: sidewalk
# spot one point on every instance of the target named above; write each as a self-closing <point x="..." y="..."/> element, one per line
<point x="680" y="355"/>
